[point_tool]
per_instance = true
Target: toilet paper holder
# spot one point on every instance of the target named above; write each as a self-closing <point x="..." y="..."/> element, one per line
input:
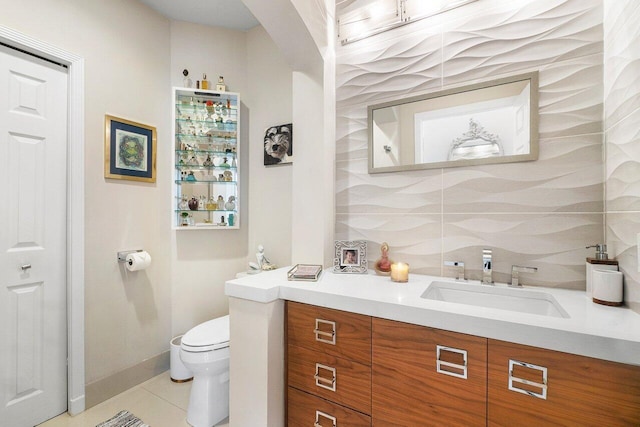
<point x="122" y="255"/>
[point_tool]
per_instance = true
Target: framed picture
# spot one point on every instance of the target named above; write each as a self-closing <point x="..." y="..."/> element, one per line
<point x="350" y="256"/>
<point x="129" y="150"/>
<point x="278" y="145"/>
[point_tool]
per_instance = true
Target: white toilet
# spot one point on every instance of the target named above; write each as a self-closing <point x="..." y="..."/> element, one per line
<point x="205" y="352"/>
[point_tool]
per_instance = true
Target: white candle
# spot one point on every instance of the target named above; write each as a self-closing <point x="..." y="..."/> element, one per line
<point x="400" y="272"/>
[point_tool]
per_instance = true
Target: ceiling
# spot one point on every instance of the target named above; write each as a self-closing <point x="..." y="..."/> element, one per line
<point x="231" y="14"/>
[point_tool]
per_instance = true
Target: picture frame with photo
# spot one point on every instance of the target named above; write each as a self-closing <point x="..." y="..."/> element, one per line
<point x="350" y="257"/>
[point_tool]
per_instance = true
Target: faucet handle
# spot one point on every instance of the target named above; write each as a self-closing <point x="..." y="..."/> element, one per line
<point x="515" y="272"/>
<point x="458" y="267"/>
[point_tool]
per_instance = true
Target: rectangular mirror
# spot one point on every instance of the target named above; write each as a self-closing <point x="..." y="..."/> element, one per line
<point x="489" y="122"/>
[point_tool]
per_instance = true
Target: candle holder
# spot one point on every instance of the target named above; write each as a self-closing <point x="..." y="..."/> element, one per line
<point x="400" y="272"/>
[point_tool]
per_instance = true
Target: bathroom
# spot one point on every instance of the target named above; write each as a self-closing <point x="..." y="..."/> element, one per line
<point x="580" y="192"/>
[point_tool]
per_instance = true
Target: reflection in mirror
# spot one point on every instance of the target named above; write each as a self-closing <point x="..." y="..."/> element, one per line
<point x="489" y="122"/>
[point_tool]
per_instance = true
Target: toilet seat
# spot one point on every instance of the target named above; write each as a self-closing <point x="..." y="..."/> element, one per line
<point x="207" y="336"/>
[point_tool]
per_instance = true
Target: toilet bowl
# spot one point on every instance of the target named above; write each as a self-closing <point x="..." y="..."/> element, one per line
<point x="205" y="352"/>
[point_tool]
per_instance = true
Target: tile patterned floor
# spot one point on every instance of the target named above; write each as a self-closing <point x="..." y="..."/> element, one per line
<point x="158" y="402"/>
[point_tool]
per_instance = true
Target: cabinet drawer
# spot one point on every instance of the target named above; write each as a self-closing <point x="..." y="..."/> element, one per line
<point x="427" y="377"/>
<point x="530" y="386"/>
<point x="338" y="380"/>
<point x="305" y="410"/>
<point x="342" y="334"/>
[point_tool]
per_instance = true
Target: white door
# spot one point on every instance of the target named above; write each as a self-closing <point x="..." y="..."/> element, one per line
<point x="33" y="170"/>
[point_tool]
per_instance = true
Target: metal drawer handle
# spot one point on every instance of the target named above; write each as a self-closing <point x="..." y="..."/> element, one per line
<point x="25" y="267"/>
<point x="319" y="414"/>
<point x="323" y="335"/>
<point x="514" y="381"/>
<point x="456" y="370"/>
<point x="329" y="384"/>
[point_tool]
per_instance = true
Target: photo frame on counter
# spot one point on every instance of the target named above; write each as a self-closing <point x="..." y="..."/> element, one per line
<point x="129" y="150"/>
<point x="350" y="257"/>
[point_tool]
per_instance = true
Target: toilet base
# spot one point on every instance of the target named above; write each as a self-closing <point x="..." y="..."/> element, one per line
<point x="209" y="400"/>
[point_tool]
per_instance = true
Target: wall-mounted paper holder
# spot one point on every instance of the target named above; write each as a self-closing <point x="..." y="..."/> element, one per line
<point x="122" y="255"/>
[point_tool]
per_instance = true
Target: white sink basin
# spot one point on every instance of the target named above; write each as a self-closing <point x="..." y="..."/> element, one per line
<point x="500" y="297"/>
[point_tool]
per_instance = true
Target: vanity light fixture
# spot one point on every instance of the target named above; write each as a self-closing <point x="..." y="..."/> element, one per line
<point x="359" y="19"/>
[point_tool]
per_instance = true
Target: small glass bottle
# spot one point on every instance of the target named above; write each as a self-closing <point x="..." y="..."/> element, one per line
<point x="205" y="83"/>
<point x="220" y="203"/>
<point x="230" y="205"/>
<point x="186" y="81"/>
<point x="211" y="205"/>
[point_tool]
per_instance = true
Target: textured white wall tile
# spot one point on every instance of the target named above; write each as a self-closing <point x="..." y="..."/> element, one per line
<point x="518" y="36"/>
<point x="622" y="64"/>
<point x="351" y="133"/>
<point x="623" y="165"/>
<point x="571" y="96"/>
<point x="566" y="178"/>
<point x="381" y="70"/>
<point x="554" y="243"/>
<point x="622" y="121"/>
<point x="357" y="191"/>
<point x="622" y="229"/>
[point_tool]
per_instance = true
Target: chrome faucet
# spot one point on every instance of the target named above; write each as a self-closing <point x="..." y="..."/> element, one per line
<point x="487" y="267"/>
<point x="515" y="270"/>
<point x="457" y="267"/>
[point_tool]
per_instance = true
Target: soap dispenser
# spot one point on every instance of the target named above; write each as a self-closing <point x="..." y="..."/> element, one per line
<point x="600" y="261"/>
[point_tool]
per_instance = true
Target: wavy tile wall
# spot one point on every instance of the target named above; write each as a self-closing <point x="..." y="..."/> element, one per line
<point x="621" y="242"/>
<point x="520" y="36"/>
<point x="621" y="60"/>
<point x="622" y="123"/>
<point x="539" y="213"/>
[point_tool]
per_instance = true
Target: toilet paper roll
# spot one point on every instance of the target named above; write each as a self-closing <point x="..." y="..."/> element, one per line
<point x="138" y="261"/>
<point x="607" y="287"/>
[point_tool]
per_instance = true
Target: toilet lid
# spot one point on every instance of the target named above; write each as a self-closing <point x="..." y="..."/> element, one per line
<point x="210" y="335"/>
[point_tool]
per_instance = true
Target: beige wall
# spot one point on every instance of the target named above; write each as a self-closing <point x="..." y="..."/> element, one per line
<point x="622" y="126"/>
<point x="269" y="103"/>
<point x="133" y="56"/>
<point x="126" y="50"/>
<point x="202" y="260"/>
<point x="540" y="214"/>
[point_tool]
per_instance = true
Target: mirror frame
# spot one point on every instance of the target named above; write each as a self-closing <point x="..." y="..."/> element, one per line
<point x="532" y="77"/>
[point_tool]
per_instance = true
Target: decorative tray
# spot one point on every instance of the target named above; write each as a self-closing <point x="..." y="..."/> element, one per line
<point x="305" y="272"/>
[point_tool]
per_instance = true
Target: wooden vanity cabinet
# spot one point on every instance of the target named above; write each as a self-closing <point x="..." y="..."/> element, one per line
<point x="328" y="367"/>
<point x="529" y="386"/>
<point x="346" y="369"/>
<point x="427" y="377"/>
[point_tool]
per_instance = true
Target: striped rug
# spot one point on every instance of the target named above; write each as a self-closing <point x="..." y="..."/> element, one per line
<point x="123" y="419"/>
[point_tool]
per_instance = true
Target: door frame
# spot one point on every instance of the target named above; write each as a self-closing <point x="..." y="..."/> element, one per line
<point x="75" y="207"/>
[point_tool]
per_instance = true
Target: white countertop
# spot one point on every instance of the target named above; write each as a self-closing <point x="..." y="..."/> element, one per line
<point x="610" y="333"/>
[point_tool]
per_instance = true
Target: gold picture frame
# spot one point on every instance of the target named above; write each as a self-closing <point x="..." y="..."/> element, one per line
<point x="129" y="150"/>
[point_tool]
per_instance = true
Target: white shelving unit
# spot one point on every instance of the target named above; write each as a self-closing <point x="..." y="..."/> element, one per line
<point x="206" y="181"/>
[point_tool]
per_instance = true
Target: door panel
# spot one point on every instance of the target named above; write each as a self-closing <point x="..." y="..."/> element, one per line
<point x="33" y="170"/>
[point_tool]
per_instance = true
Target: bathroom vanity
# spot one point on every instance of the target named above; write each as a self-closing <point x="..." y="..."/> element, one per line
<point x="362" y="350"/>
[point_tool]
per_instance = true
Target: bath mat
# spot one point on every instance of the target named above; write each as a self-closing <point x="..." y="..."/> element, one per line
<point x="123" y="419"/>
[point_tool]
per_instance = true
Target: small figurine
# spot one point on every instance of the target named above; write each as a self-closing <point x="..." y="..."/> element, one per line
<point x="208" y="162"/>
<point x="383" y="265"/>
<point x="263" y="262"/>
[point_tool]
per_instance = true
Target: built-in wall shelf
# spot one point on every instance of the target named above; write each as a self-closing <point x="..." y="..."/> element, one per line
<point x="206" y="128"/>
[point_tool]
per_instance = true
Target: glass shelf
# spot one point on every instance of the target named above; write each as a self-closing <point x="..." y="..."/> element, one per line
<point x="181" y="182"/>
<point x="201" y="167"/>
